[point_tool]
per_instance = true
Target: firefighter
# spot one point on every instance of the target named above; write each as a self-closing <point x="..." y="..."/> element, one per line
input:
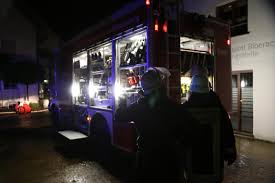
<point x="159" y="130"/>
<point x="17" y="105"/>
<point x="203" y="97"/>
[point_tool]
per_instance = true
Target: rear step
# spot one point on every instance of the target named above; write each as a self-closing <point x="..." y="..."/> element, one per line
<point x="72" y="135"/>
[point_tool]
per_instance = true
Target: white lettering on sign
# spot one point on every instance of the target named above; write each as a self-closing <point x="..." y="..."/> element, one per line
<point x="260" y="45"/>
<point x="250" y="49"/>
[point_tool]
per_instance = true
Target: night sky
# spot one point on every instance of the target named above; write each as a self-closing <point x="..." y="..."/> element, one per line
<point x="68" y="17"/>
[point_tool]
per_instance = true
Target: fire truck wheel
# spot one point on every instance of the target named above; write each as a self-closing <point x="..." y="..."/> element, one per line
<point x="100" y="137"/>
<point x="99" y="129"/>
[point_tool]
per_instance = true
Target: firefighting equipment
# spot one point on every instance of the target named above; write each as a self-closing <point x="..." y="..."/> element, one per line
<point x="133" y="79"/>
<point x="27" y="108"/>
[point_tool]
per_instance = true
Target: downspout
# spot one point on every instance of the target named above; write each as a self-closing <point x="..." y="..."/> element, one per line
<point x="37" y="59"/>
<point x="56" y="52"/>
<point x="2" y="95"/>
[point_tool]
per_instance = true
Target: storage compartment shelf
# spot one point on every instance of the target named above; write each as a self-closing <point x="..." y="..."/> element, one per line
<point x="132" y="66"/>
<point x="97" y="72"/>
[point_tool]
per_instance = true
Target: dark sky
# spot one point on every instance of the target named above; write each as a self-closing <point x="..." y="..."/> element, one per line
<point x="67" y="17"/>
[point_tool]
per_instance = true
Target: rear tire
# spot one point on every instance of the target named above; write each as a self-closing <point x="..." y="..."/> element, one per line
<point x="55" y="116"/>
<point x="100" y="138"/>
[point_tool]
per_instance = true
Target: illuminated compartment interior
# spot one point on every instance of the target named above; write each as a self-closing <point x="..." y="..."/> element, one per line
<point x="80" y="79"/>
<point x="100" y="86"/>
<point x="131" y="54"/>
<point x="194" y="52"/>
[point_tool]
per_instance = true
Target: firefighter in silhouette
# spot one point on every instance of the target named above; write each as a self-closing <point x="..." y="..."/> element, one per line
<point x="159" y="130"/>
<point x="202" y="96"/>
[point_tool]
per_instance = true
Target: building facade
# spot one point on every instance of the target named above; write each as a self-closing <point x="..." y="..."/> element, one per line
<point x="253" y="61"/>
<point x="16" y="41"/>
<point x="22" y="36"/>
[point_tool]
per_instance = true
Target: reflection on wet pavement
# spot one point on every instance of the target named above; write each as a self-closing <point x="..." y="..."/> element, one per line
<point x="36" y="155"/>
<point x="84" y="172"/>
<point x="30" y="120"/>
<point x="255" y="163"/>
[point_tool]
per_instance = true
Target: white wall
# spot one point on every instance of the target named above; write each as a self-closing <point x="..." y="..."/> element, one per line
<point x="261" y="25"/>
<point x="254" y="51"/>
<point x="12" y="96"/>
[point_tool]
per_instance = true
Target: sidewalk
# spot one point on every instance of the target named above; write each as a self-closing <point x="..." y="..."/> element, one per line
<point x="3" y="113"/>
<point x="255" y="162"/>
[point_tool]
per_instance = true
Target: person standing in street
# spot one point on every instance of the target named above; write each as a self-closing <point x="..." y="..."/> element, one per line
<point x="201" y="96"/>
<point x="17" y="105"/>
<point x="159" y="130"/>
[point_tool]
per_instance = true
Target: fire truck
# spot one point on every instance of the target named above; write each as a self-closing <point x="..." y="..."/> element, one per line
<point x="99" y="70"/>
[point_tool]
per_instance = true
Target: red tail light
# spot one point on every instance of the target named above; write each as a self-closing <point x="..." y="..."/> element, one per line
<point x="156" y="26"/>
<point x="228" y="42"/>
<point x="165" y="26"/>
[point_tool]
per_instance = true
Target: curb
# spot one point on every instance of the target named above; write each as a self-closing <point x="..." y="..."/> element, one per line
<point x="43" y="110"/>
<point x="3" y="113"/>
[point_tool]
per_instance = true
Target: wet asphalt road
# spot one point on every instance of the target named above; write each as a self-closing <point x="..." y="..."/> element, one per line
<point x="31" y="152"/>
<point x="255" y="163"/>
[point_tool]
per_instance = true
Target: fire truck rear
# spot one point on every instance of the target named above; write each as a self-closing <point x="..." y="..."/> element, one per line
<point x="100" y="69"/>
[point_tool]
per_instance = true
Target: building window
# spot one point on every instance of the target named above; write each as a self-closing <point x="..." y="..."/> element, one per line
<point x="235" y="13"/>
<point x="9" y="85"/>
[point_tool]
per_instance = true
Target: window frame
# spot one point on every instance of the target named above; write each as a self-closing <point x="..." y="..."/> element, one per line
<point x="237" y="27"/>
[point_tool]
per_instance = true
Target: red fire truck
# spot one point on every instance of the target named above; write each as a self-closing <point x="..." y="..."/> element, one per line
<point x="100" y="69"/>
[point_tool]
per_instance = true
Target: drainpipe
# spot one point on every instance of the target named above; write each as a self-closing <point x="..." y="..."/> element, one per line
<point x="2" y="95"/>
<point x="37" y="59"/>
<point x="56" y="52"/>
